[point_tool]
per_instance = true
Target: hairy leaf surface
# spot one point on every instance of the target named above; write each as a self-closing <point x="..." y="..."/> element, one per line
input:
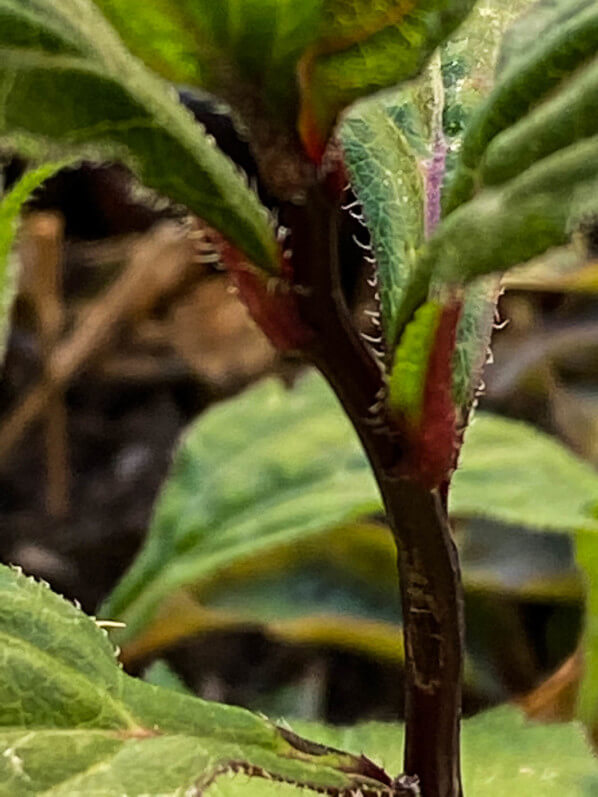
<point x="386" y="143"/>
<point x="527" y="169"/>
<point x="537" y="70"/>
<point x="398" y="150"/>
<point x="306" y="60"/>
<point x="72" y="722"/>
<point x="67" y="85"/>
<point x="506" y="225"/>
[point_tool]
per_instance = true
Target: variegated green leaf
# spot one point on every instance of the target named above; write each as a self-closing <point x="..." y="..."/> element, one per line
<point x="529" y="160"/>
<point x="397" y="149"/>
<point x="469" y="61"/>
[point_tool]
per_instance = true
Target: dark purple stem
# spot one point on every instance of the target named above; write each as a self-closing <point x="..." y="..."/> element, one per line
<point x="430" y="584"/>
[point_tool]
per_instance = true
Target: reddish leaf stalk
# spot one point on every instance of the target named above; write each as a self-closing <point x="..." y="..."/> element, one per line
<point x="435" y="445"/>
<point x="271" y="301"/>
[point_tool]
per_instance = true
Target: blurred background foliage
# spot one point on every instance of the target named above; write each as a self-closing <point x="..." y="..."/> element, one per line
<point x="267" y="578"/>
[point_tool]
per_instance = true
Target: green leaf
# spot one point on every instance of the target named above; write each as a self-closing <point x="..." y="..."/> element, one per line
<point x="535" y="173"/>
<point x="539" y="69"/>
<point x="321" y="590"/>
<point x="521" y="219"/>
<point x="502" y="754"/>
<point x="246" y="480"/>
<point x="473" y="340"/>
<point x="250" y="497"/>
<point x="222" y="45"/>
<point x="397" y="149"/>
<point x="535" y="24"/>
<point x="72" y="722"/>
<point x="546" y="129"/>
<point x="365" y="47"/>
<point x="67" y="85"/>
<point x="10" y="208"/>
<point x="159" y="673"/>
<point x="338" y="590"/>
<point x="586" y="554"/>
<point x="515" y="474"/>
<point x="306" y="60"/>
<point x="163" y="34"/>
<point x="386" y="143"/>
<point x="410" y="367"/>
<point x="469" y="60"/>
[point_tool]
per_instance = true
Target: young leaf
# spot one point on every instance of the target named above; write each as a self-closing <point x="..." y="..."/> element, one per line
<point x="468" y="61"/>
<point x="537" y="181"/>
<point x="10" y="207"/>
<point x="509" y="224"/>
<point x="535" y="173"/>
<point x="221" y="46"/>
<point x="68" y="85"/>
<point x="546" y="129"/>
<point x="397" y="149"/>
<point x="72" y="722"/>
<point x="163" y="34"/>
<point x="306" y="61"/>
<point x="535" y="24"/>
<point x="385" y="145"/>
<point x="409" y="376"/>
<point x="541" y="67"/>
<point x="365" y="47"/>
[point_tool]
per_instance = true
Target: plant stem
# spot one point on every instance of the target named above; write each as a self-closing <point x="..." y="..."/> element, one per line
<point x="431" y="593"/>
<point x="432" y="602"/>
